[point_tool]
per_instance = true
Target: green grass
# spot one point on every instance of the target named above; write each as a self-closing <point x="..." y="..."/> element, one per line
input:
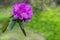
<point x="46" y="22"/>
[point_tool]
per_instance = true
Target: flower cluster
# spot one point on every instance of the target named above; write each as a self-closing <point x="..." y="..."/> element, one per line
<point x="22" y="11"/>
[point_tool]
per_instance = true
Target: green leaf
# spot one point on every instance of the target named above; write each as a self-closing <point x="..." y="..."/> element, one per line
<point x="21" y="24"/>
<point x="11" y="24"/>
<point x="5" y="24"/>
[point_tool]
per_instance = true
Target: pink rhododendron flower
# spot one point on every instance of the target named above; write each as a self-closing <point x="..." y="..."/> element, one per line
<point x="22" y="11"/>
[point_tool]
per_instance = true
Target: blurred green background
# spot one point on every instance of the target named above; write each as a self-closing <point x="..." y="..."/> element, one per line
<point x="45" y="23"/>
